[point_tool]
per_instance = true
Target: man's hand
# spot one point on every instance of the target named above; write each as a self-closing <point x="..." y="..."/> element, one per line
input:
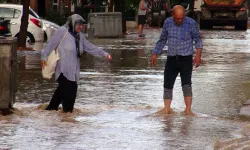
<point x="153" y="60"/>
<point x="109" y="58"/>
<point x="197" y="61"/>
<point x="43" y="64"/>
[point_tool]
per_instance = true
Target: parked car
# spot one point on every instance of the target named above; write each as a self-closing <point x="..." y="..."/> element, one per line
<point x="49" y="28"/>
<point x="14" y="13"/>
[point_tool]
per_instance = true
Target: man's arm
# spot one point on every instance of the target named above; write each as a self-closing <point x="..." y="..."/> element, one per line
<point x="198" y="44"/>
<point x="160" y="44"/>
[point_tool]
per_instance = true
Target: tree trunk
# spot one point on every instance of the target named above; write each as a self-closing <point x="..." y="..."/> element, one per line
<point x="51" y="4"/>
<point x="111" y="5"/>
<point x="62" y="8"/>
<point x="24" y="25"/>
<point x="120" y="7"/>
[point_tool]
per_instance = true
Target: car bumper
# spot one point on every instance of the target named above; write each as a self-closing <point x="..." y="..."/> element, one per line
<point x="222" y="21"/>
<point x="238" y="16"/>
<point x="38" y="35"/>
<point x="49" y="32"/>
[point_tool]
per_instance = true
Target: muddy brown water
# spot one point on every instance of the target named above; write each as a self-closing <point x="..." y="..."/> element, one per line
<point x="117" y="101"/>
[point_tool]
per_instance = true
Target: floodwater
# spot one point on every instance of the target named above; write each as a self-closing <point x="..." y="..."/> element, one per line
<point x="117" y="102"/>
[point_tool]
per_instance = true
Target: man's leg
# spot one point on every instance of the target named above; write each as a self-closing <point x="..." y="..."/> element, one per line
<point x="170" y="74"/>
<point x="188" y="99"/>
<point x="186" y="75"/>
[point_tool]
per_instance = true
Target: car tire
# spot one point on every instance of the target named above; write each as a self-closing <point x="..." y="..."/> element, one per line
<point x="205" y="25"/>
<point x="30" y="38"/>
<point x="241" y="25"/>
<point x="155" y="19"/>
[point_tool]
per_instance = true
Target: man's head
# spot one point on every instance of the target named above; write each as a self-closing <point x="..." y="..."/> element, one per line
<point x="178" y="14"/>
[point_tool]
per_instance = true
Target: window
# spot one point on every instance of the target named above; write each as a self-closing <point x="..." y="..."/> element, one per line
<point x="33" y="13"/>
<point x="17" y="13"/>
<point x="7" y="12"/>
<point x="55" y="5"/>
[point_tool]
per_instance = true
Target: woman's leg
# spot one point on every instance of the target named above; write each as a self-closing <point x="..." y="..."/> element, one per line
<point x="140" y="29"/>
<point x="56" y="99"/>
<point x="142" y="21"/>
<point x="69" y="95"/>
<point x="140" y="25"/>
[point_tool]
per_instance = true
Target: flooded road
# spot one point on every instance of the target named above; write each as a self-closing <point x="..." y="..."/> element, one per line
<point x="117" y="101"/>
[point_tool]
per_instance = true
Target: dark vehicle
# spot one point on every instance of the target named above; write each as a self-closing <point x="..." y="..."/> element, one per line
<point x="224" y="12"/>
<point x="159" y="10"/>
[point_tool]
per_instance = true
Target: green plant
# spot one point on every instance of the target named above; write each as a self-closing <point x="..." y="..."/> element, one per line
<point x="132" y="4"/>
<point x="54" y="16"/>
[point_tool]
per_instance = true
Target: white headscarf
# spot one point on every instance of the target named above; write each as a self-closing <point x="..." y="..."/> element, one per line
<point x="72" y="20"/>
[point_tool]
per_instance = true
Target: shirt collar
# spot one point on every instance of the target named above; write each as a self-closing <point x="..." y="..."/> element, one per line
<point x="184" y="22"/>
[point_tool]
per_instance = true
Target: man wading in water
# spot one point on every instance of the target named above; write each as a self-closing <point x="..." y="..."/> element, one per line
<point x="179" y="32"/>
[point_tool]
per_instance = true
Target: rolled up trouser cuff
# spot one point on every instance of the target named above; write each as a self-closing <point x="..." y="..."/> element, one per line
<point x="168" y="94"/>
<point x="187" y="90"/>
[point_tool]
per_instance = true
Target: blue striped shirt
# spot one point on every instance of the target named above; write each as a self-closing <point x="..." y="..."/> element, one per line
<point x="69" y="63"/>
<point x="179" y="39"/>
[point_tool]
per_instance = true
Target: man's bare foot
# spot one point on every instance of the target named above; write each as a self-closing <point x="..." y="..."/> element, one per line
<point x="189" y="113"/>
<point x="165" y="111"/>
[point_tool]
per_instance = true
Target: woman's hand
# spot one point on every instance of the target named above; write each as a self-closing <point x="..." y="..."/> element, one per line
<point x="43" y="64"/>
<point x="109" y="58"/>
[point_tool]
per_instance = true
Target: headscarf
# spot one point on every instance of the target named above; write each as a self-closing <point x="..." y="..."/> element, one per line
<point x="72" y="21"/>
<point x="71" y="24"/>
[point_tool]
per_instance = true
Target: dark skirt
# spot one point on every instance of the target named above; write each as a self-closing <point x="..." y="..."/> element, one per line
<point x="65" y="94"/>
<point x="141" y="19"/>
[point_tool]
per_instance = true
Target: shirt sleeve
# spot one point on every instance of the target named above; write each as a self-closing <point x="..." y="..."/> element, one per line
<point x="53" y="42"/>
<point x="92" y="49"/>
<point x="196" y="36"/>
<point x="162" y="41"/>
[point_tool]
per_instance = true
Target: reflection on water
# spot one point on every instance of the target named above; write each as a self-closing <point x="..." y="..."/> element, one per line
<point x="117" y="101"/>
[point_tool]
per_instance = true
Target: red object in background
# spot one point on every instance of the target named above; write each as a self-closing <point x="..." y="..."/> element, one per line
<point x="3" y="28"/>
<point x="223" y="3"/>
<point x="36" y="22"/>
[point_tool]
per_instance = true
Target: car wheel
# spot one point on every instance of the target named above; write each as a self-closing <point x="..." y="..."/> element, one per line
<point x="30" y="39"/>
<point x="241" y="25"/>
<point x="205" y="25"/>
<point x="155" y="19"/>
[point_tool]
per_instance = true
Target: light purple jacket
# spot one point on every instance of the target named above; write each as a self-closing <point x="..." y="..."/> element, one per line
<point x="69" y="63"/>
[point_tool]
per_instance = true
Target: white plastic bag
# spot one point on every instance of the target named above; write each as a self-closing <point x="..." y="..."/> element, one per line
<point x="50" y="68"/>
<point x="53" y="57"/>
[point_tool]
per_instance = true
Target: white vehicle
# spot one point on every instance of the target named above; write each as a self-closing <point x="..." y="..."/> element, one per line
<point x="14" y="13"/>
<point x="49" y="28"/>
